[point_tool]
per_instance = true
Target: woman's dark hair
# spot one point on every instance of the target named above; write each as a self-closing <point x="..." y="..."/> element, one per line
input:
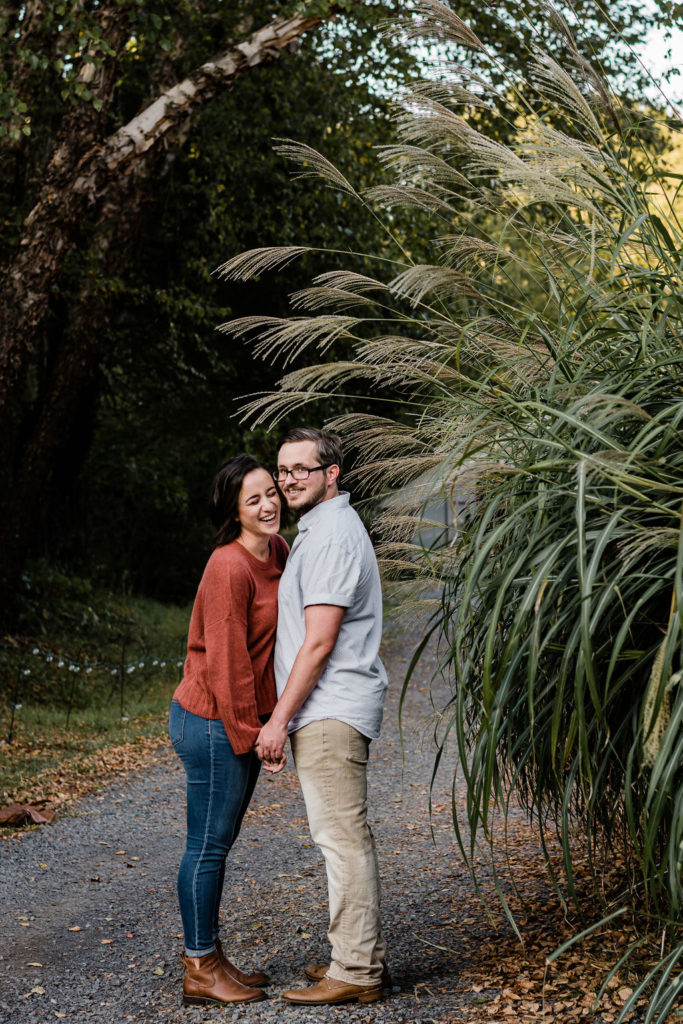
<point x="224" y="497"/>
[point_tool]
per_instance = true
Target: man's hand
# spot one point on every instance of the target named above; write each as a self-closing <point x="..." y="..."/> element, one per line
<point x="270" y="743"/>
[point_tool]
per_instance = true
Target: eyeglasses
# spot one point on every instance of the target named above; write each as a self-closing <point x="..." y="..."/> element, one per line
<point x="299" y="473"/>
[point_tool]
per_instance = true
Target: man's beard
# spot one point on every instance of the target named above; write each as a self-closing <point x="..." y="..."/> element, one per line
<point x="313" y="500"/>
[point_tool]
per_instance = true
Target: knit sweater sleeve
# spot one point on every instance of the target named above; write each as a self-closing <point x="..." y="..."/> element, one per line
<point x="229" y="592"/>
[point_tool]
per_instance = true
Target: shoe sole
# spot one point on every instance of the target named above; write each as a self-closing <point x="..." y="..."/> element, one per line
<point x="209" y="1001"/>
<point x="370" y="997"/>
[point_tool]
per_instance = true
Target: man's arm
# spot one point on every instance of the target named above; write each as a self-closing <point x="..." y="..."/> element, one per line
<point x="323" y="622"/>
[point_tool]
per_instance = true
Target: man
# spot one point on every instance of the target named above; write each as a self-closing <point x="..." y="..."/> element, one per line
<point x="331" y="687"/>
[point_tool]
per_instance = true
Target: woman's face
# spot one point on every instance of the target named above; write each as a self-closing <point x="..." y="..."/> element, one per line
<point x="258" y="505"/>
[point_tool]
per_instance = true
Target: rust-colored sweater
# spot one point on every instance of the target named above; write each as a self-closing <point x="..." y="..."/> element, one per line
<point x="229" y="666"/>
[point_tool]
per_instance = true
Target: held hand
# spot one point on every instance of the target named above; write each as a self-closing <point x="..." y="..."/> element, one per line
<point x="270" y="744"/>
<point x="273" y="767"/>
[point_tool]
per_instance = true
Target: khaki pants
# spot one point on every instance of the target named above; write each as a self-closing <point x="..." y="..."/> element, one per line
<point x="331" y="760"/>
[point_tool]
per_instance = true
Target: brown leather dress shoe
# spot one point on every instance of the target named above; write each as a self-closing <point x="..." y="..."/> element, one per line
<point x="205" y="981"/>
<point x="329" y="990"/>
<point x="316" y="972"/>
<point x="250" y="980"/>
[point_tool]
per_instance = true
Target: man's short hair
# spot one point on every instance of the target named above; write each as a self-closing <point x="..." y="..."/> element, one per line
<point x="328" y="445"/>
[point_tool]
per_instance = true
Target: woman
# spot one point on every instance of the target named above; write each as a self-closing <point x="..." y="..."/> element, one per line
<point x="227" y="693"/>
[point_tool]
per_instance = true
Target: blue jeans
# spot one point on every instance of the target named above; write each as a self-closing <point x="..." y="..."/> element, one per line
<point x="220" y="785"/>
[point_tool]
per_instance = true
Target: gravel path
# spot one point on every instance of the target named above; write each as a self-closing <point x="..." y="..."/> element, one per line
<point x="90" y="925"/>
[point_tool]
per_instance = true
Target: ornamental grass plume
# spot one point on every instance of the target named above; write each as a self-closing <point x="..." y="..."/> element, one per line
<point x="534" y="366"/>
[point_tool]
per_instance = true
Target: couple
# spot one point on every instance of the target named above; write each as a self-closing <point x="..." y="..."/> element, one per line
<point x="325" y="686"/>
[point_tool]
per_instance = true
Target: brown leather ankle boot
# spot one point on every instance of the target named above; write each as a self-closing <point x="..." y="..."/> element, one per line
<point x="250" y="980"/>
<point x="205" y="981"/>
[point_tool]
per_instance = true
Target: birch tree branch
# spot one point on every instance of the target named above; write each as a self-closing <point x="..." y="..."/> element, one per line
<point x="168" y="113"/>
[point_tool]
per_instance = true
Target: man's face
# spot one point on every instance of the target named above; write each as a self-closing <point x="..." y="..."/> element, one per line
<point x="302" y="495"/>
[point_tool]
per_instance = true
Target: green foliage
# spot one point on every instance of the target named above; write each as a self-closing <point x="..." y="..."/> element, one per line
<point x="58" y="46"/>
<point x="537" y="358"/>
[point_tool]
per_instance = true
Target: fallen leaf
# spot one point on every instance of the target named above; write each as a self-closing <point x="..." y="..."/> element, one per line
<point x="25" y="814"/>
<point x="76" y="928"/>
<point x="105" y="942"/>
<point x="158" y="970"/>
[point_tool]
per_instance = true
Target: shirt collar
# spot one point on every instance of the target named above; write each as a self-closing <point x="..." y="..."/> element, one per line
<point x="321" y="511"/>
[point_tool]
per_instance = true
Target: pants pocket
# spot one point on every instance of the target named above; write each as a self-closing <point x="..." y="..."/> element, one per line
<point x="176" y="723"/>
<point x="358" y="747"/>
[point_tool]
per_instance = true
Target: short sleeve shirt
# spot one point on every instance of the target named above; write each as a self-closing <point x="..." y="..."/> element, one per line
<point x="332" y="562"/>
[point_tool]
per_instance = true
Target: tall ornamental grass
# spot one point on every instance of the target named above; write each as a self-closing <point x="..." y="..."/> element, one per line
<point x="531" y="375"/>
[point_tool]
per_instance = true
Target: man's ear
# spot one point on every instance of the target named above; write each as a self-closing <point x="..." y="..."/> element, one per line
<point x="332" y="473"/>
